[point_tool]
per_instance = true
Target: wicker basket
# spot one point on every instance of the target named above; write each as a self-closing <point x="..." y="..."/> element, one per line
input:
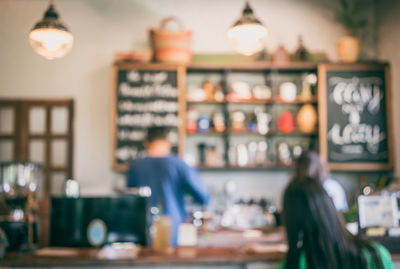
<point x="171" y="46"/>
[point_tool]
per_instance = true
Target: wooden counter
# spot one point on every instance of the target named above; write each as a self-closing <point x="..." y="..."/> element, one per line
<point x="206" y="257"/>
<point x="222" y="249"/>
<point x="210" y="257"/>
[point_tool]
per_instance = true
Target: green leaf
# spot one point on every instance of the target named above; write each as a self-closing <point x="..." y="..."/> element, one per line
<point x="351" y="15"/>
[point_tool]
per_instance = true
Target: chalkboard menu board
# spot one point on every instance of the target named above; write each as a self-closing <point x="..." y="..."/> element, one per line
<point x="354" y="116"/>
<point x="144" y="96"/>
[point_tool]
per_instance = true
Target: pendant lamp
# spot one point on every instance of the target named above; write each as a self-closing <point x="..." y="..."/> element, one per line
<point x="248" y="33"/>
<point x="49" y="37"/>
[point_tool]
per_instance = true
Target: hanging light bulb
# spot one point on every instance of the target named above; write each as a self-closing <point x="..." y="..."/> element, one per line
<point x="248" y="33"/>
<point x="49" y="37"/>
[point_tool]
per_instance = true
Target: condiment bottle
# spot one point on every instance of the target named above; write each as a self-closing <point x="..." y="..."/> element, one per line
<point x="162" y="234"/>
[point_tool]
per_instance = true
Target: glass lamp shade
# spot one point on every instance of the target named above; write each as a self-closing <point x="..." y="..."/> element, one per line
<point x="247" y="39"/>
<point x="248" y="33"/>
<point x="49" y="37"/>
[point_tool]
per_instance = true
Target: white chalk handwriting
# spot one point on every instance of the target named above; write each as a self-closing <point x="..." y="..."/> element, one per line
<point x="147" y="91"/>
<point x="151" y="106"/>
<point x="155" y="78"/>
<point x="357" y="134"/>
<point x="131" y="135"/>
<point x="126" y="153"/>
<point x="148" y="119"/>
<point x="134" y="76"/>
<point x="357" y="93"/>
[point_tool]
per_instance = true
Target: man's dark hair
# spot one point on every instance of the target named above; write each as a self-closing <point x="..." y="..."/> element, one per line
<point x="157" y="132"/>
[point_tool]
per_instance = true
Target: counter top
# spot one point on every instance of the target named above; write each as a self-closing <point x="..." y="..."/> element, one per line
<point x="225" y="247"/>
<point x="147" y="257"/>
<point x="230" y="249"/>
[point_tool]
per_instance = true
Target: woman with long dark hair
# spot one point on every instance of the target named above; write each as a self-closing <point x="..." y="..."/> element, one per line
<point x="317" y="236"/>
<point x="309" y="164"/>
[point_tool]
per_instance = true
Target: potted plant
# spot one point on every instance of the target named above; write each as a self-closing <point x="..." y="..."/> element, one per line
<point x="352" y="17"/>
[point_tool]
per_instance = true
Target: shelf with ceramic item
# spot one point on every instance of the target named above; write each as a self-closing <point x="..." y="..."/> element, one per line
<point x="269" y="167"/>
<point x="194" y="102"/>
<point x="251" y="167"/>
<point x="294" y="133"/>
<point x="254" y="97"/>
<point x="269" y="66"/>
<point x="204" y="167"/>
<point x="209" y="132"/>
<point x="298" y="101"/>
<point x="252" y="101"/>
<point x="247" y="132"/>
<point x="273" y="132"/>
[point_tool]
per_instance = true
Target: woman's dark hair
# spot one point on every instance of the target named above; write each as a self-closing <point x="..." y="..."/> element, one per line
<point x="314" y="227"/>
<point x="309" y="164"/>
<point x="156" y="133"/>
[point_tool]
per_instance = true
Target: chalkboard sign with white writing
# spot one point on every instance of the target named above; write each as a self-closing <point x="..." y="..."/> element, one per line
<point x="144" y="97"/>
<point x="353" y="104"/>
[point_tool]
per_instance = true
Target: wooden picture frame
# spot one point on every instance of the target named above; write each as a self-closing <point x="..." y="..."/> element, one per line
<point x="143" y="67"/>
<point x="352" y="155"/>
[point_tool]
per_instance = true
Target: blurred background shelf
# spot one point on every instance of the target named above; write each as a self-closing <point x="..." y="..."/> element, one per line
<point x="255" y="101"/>
<point x="205" y="102"/>
<point x="210" y="132"/>
<point x="267" y="76"/>
<point x="298" y="100"/>
<point x="271" y="167"/>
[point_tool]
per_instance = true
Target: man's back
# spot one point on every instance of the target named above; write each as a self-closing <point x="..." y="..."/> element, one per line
<point x="169" y="179"/>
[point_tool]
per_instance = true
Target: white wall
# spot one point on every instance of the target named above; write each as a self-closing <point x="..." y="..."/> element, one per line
<point x="389" y="50"/>
<point x="103" y="27"/>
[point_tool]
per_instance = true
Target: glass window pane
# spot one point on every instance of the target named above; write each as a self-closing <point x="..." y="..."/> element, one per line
<point x="7" y="116"/>
<point x="40" y="192"/>
<point x="59" y="120"/>
<point x="59" y="152"/>
<point x="6" y="150"/>
<point x="37" y="151"/>
<point x="57" y="183"/>
<point x="37" y="120"/>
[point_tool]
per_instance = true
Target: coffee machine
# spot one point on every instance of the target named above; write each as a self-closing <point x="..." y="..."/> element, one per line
<point x="18" y="185"/>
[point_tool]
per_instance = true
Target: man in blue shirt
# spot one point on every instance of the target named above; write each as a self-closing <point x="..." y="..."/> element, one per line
<point x="168" y="177"/>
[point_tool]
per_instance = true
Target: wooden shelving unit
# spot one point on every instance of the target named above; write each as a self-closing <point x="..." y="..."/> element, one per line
<point x="210" y="132"/>
<point x="298" y="100"/>
<point x="254" y="66"/>
<point x="189" y="102"/>
<point x="255" y="101"/>
<point x="126" y="143"/>
<point x="246" y="168"/>
<point x="245" y="132"/>
<point x="272" y="74"/>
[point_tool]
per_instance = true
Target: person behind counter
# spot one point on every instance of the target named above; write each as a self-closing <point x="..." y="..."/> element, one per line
<point x="310" y="165"/>
<point x="316" y="234"/>
<point x="168" y="176"/>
